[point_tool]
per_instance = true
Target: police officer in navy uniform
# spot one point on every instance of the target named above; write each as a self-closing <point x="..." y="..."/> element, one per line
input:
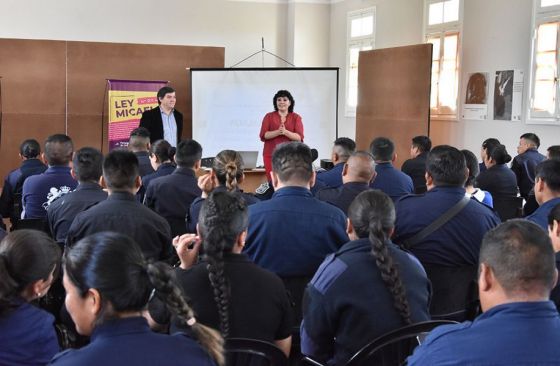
<point x="415" y="167"/>
<point x="519" y="325"/>
<point x="139" y="144"/>
<point x="342" y="149"/>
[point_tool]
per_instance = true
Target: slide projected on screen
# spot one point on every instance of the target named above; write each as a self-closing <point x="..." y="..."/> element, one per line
<point x="228" y="106"/>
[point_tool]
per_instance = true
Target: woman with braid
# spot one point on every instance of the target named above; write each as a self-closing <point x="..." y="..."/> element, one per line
<point x="366" y="289"/>
<point x="226" y="175"/>
<point x="108" y="284"/>
<point x="228" y="291"/>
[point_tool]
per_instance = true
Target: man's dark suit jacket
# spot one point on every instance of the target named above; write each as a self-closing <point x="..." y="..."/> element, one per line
<point x="151" y="120"/>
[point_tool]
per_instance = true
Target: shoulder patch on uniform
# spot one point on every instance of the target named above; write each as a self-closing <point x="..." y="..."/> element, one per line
<point x="327" y="273"/>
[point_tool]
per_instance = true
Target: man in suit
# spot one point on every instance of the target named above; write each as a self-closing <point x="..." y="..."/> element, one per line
<point x="164" y="121"/>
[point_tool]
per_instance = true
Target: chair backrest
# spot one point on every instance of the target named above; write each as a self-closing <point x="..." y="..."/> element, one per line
<point x="508" y="207"/>
<point x="252" y="352"/>
<point x="394" y="347"/>
<point x="35" y="224"/>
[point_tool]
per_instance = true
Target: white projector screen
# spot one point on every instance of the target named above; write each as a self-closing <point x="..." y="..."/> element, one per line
<point x="228" y="106"/>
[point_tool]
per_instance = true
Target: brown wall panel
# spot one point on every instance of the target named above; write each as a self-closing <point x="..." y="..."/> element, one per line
<point x="394" y="96"/>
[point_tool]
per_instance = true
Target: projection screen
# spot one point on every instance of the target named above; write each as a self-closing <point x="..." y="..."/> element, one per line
<point x="228" y="106"/>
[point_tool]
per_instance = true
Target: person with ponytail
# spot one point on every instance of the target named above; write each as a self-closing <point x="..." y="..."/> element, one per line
<point x="226" y="175"/>
<point x="29" y="261"/>
<point x="227" y="290"/>
<point x="498" y="178"/>
<point x="366" y="289"/>
<point x="108" y="284"/>
<point x="161" y="158"/>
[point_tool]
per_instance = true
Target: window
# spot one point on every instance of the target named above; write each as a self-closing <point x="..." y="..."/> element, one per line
<point x="361" y="37"/>
<point x="544" y="106"/>
<point x="442" y="30"/>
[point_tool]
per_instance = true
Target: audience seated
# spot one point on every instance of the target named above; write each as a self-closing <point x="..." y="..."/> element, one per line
<point x="524" y="164"/>
<point x="41" y="189"/>
<point x="227" y="175"/>
<point x="29" y="260"/>
<point x="472" y="166"/>
<point x="457" y="242"/>
<point x="553" y="152"/>
<point x="29" y="152"/>
<point x="171" y="195"/>
<point x="357" y="174"/>
<point x="498" y="178"/>
<point x="162" y="160"/>
<point x="227" y="291"/>
<point x="108" y="284"/>
<point x="139" y="144"/>
<point x="364" y="290"/>
<point x="554" y="234"/>
<point x="519" y="325"/>
<point x="87" y="166"/>
<point x="121" y="212"/>
<point x="342" y="149"/>
<point x="415" y="167"/>
<point x="388" y="179"/>
<point x="547" y="191"/>
<point x="488" y="143"/>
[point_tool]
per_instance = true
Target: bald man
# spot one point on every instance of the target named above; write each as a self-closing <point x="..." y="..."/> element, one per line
<point x="357" y="174"/>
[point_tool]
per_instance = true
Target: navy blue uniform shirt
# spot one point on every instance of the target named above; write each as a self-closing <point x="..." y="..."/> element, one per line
<point x="14" y="183"/>
<point x="524" y="166"/>
<point x="163" y="170"/>
<point x="291" y="233"/>
<point x="347" y="304"/>
<point x="63" y="210"/>
<point x="499" y="180"/>
<point x="333" y="177"/>
<point x="342" y="196"/>
<point x="540" y="216"/>
<point x="171" y="197"/>
<point x="144" y="164"/>
<point x="416" y="169"/>
<point x="457" y="242"/>
<point x="518" y="333"/>
<point x="130" y="341"/>
<point x="27" y="336"/>
<point x="391" y="181"/>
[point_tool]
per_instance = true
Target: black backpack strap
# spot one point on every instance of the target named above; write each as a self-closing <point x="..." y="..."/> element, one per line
<point x="437" y="223"/>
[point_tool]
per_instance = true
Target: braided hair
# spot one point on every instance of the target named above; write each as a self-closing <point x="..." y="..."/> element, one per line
<point x="372" y="215"/>
<point x="223" y="217"/>
<point x="228" y="167"/>
<point x="114" y="265"/>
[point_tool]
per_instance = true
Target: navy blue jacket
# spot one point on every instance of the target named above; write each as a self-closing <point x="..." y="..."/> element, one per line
<point x="519" y="333"/>
<point x="540" y="216"/>
<point x="171" y="196"/>
<point x="130" y="341"/>
<point x="63" y="210"/>
<point x="41" y="189"/>
<point x="416" y="169"/>
<point x="456" y="243"/>
<point x="499" y="180"/>
<point x="27" y="336"/>
<point x="342" y="196"/>
<point x="391" y="181"/>
<point x="347" y="304"/>
<point x="524" y="166"/>
<point x="291" y="233"/>
<point x="144" y="164"/>
<point x="555" y="293"/>
<point x="333" y="177"/>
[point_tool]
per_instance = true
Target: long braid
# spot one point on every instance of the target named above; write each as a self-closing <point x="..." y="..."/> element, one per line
<point x="228" y="167"/>
<point x="231" y="176"/>
<point x="164" y="284"/>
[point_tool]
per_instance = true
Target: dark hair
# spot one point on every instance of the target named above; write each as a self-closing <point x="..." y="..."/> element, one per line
<point x="382" y="149"/>
<point x="344" y="147"/>
<point x="188" y="153"/>
<point x="88" y="164"/>
<point x="139" y="138"/>
<point x="447" y="166"/>
<point x="284" y="94"/>
<point x="228" y="166"/>
<point x="549" y="172"/>
<point x="372" y="215"/>
<point x="26" y="256"/>
<point x="162" y="150"/>
<point x="120" y="169"/>
<point x="554" y="152"/>
<point x="30" y="149"/>
<point x="113" y="264"/>
<point x="292" y="161"/>
<point x="521" y="256"/>
<point x="472" y="165"/>
<point x="490" y="142"/>
<point x="498" y="153"/>
<point x="532" y="138"/>
<point x="58" y="149"/>
<point x="423" y="143"/>
<point x="223" y="216"/>
<point x="554" y="214"/>
<point x="163" y="91"/>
